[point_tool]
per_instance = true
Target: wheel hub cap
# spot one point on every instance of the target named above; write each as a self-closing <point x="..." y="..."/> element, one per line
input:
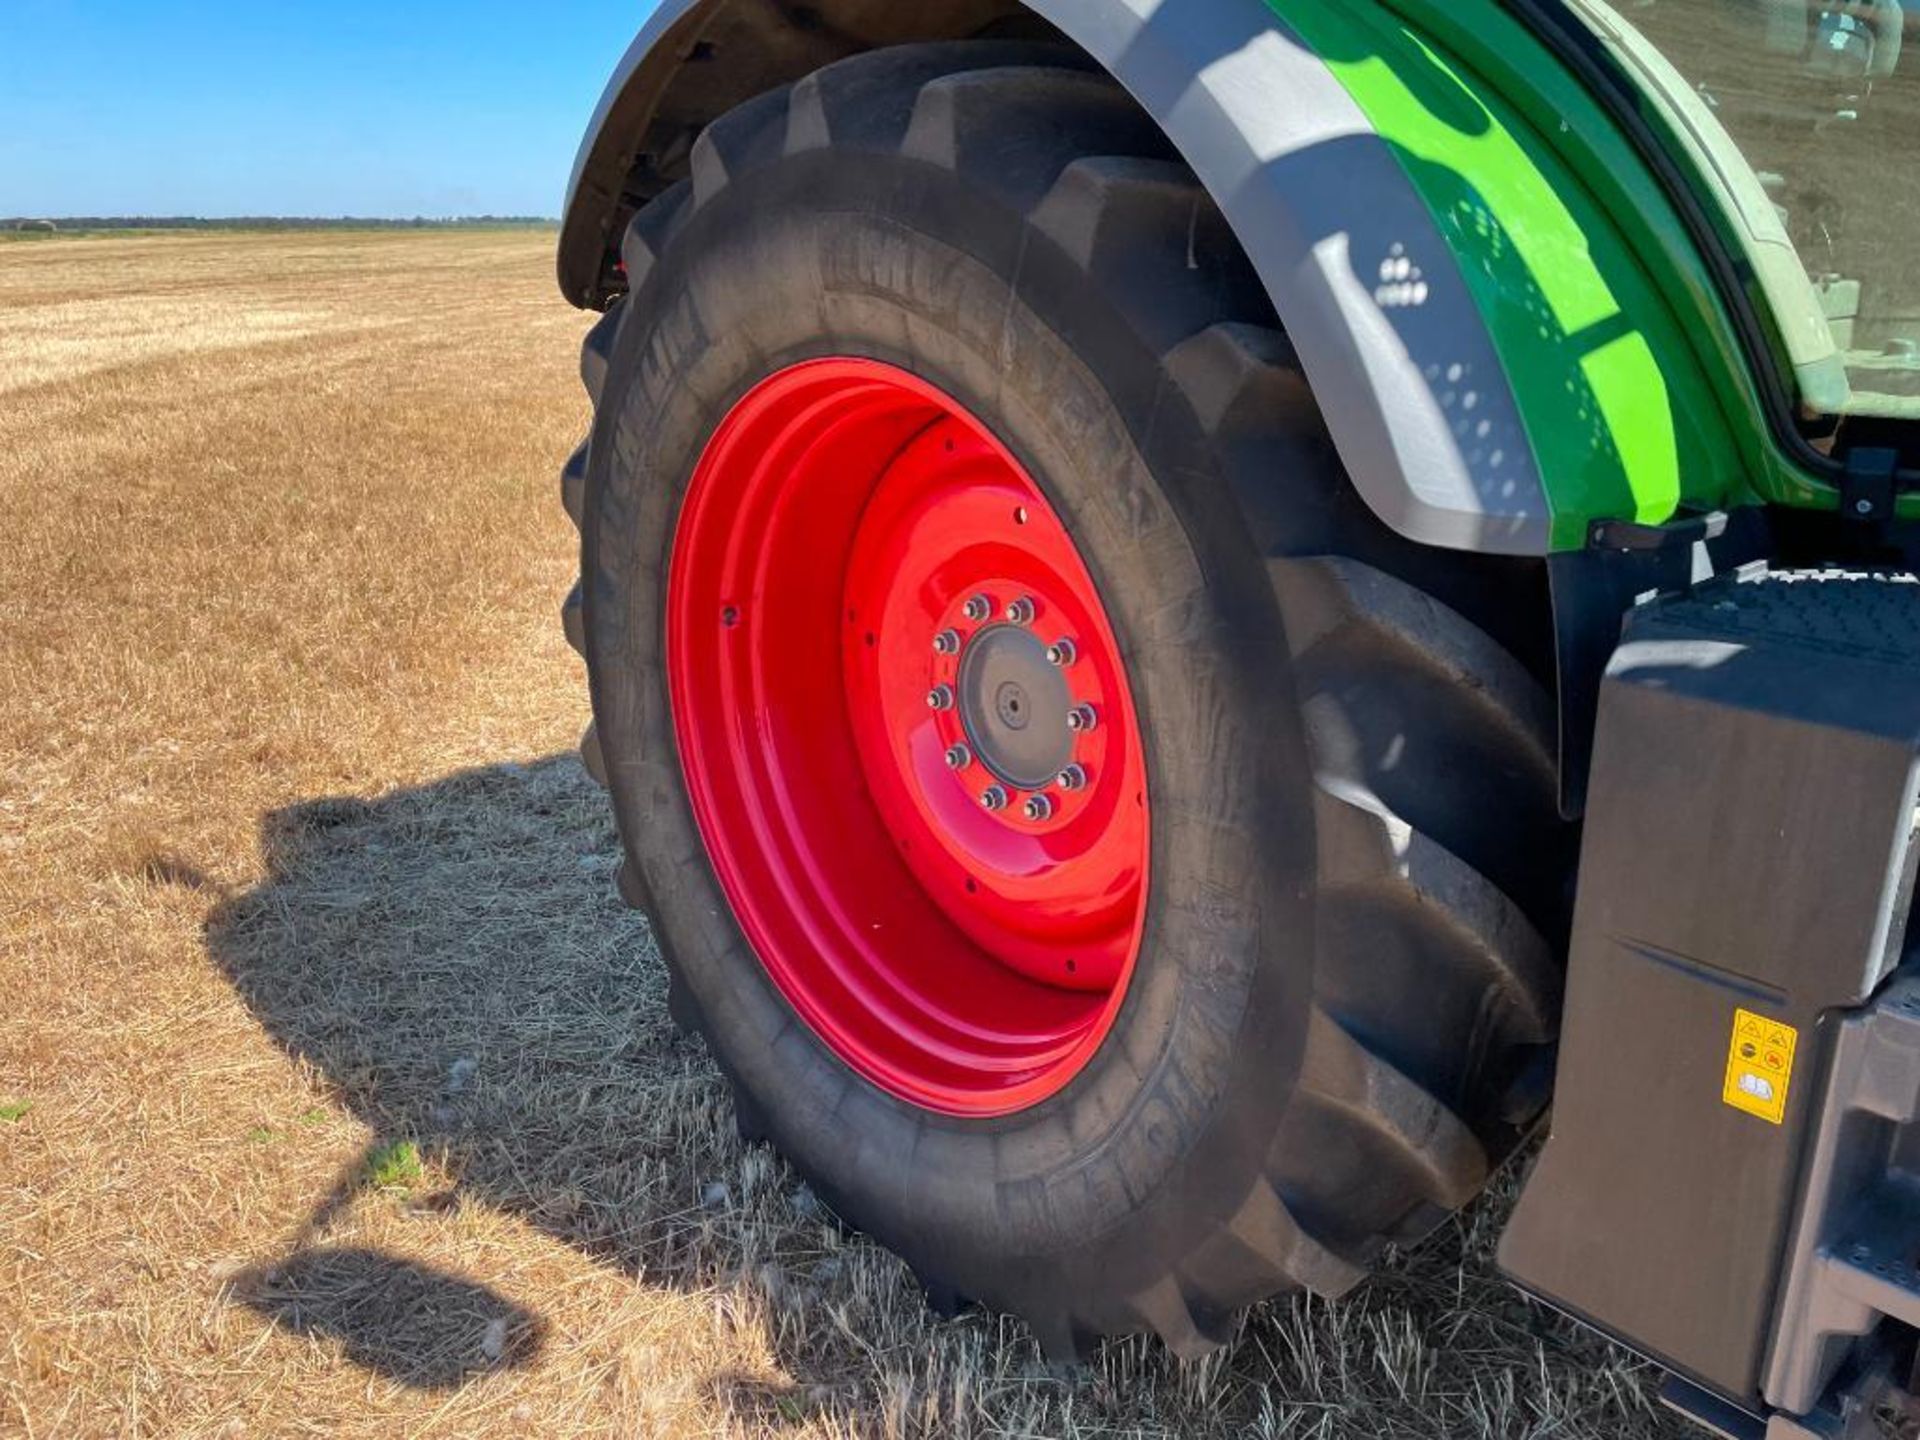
<point x="1014" y="707"/>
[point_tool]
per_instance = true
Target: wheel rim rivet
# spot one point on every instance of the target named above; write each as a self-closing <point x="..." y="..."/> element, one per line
<point x="940" y="698"/>
<point x="1021" y="611"/>
<point x="1038" y="807"/>
<point x="947" y="642"/>
<point x="959" y="757"/>
<point x="1061" y="653"/>
<point x="994" y="798"/>
<point x="977" y="609"/>
<point x="1081" y="719"/>
<point x="1073" y="778"/>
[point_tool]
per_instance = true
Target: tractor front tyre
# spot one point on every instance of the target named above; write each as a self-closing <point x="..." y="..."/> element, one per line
<point x="1109" y="881"/>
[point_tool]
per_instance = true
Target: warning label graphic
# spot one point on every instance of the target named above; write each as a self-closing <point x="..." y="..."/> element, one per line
<point x="1759" y="1066"/>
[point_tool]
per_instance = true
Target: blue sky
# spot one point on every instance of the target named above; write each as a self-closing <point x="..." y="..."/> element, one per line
<point x="299" y="107"/>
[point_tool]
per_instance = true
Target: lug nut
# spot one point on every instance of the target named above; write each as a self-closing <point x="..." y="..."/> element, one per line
<point x="977" y="609"/>
<point x="940" y="698"/>
<point x="959" y="757"/>
<point x="1038" y="807"/>
<point x="947" y="642"/>
<point x="1072" y="778"/>
<point x="994" y="798"/>
<point x="1061" y="653"/>
<point x="1021" y="611"/>
<point x="1081" y="718"/>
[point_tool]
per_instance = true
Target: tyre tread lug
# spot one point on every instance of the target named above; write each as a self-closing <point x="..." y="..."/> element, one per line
<point x="987" y="126"/>
<point x="596" y="352"/>
<point x="573" y="486"/>
<point x="649" y="231"/>
<point x="591" y="756"/>
<point x="1435" y="1148"/>
<point x="573" y="618"/>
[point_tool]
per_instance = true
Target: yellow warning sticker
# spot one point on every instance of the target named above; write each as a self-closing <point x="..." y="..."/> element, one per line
<point x="1759" y="1066"/>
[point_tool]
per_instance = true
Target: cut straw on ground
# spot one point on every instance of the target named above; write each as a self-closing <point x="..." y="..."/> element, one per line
<point x="337" y="1091"/>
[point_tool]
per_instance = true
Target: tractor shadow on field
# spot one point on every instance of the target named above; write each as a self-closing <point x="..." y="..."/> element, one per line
<point x="454" y="960"/>
<point x="411" y="1322"/>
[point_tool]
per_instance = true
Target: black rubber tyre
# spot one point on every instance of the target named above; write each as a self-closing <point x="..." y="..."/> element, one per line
<point x="1356" y="852"/>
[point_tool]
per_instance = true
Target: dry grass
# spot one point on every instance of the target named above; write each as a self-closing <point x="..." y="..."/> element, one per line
<point x="362" y="1115"/>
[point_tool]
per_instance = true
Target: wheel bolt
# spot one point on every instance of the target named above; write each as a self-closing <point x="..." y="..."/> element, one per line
<point x="1038" y="807"/>
<point x="959" y="757"/>
<point x="978" y="609"/>
<point x="1072" y="778"/>
<point x="994" y="798"/>
<point x="1061" y="653"/>
<point x="940" y="698"/>
<point x="947" y="642"/>
<point x="1081" y="718"/>
<point x="1021" y="611"/>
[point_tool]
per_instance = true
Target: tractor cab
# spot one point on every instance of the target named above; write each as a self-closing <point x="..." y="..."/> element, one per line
<point x="1802" y="122"/>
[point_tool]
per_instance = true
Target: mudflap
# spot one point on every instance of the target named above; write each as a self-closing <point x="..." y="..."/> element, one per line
<point x="1732" y="1180"/>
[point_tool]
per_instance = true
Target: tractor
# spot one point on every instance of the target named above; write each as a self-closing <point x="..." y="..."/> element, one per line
<point x="1205" y="617"/>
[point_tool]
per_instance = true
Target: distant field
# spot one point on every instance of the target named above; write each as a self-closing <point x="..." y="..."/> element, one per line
<point x="94" y="228"/>
<point x="337" y="1093"/>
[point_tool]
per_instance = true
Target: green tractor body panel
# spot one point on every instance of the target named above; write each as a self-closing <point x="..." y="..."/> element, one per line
<point x="1646" y="369"/>
<point x="1636" y="391"/>
<point x="1627" y="419"/>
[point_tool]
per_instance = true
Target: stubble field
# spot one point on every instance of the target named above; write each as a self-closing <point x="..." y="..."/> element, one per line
<point x="337" y="1091"/>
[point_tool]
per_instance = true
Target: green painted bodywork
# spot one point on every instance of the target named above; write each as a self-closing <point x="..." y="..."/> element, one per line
<point x="1632" y="383"/>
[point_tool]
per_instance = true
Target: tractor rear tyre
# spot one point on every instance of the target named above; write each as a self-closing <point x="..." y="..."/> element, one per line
<point x="1110" y="865"/>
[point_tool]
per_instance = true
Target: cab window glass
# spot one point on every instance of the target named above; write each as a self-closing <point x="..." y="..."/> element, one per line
<point x="1823" y="101"/>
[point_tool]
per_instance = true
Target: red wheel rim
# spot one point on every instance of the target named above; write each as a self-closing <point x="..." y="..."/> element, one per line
<point x="908" y="736"/>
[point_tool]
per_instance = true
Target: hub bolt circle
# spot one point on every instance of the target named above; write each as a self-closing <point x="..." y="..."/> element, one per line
<point x="1081" y="719"/>
<point x="994" y="798"/>
<point x="1073" y="778"/>
<point x="959" y="757"/>
<point x="1022" y="611"/>
<point x="978" y="609"/>
<point x="947" y="642"/>
<point x="1038" y="807"/>
<point x="940" y="698"/>
<point x="1061" y="653"/>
